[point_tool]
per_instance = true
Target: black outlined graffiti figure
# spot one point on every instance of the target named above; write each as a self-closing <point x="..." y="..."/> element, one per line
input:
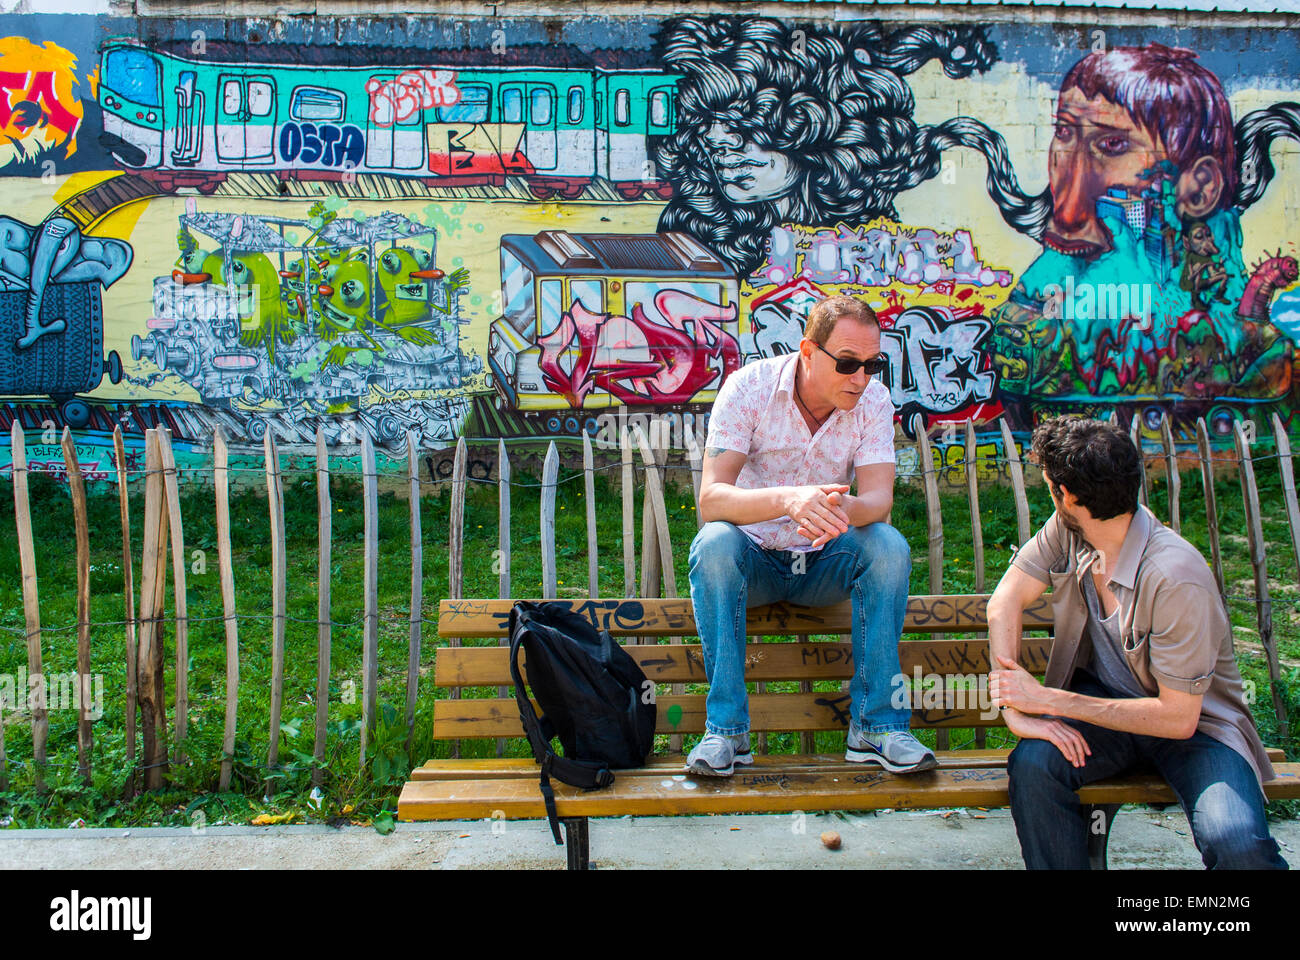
<point x="781" y="123"/>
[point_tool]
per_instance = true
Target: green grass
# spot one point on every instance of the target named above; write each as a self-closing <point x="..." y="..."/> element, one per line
<point x="190" y="796"/>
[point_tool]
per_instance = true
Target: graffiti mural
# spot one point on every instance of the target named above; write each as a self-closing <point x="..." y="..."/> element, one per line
<point x="1141" y="296"/>
<point x="594" y="320"/>
<point x="929" y="288"/>
<point x="534" y="228"/>
<point x="40" y="105"/>
<point x="552" y="116"/>
<point x="306" y="319"/>
<point x="51" y="312"/>
<point x="790" y="123"/>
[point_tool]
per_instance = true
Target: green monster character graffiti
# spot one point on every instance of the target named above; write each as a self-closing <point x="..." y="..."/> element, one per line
<point x="261" y="301"/>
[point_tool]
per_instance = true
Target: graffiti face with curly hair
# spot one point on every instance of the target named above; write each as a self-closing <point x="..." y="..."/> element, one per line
<point x="746" y="172"/>
<point x="809" y="125"/>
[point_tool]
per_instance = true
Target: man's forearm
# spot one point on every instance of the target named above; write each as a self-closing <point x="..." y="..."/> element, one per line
<point x="1149" y="716"/>
<point x="870" y="507"/>
<point x="725" y="501"/>
<point x="1005" y="630"/>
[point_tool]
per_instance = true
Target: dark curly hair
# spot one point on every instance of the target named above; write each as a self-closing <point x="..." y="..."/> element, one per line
<point x="830" y="98"/>
<point x="1095" y="460"/>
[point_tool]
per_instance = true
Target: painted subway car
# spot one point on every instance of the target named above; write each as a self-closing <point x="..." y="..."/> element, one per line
<point x="592" y="321"/>
<point x="557" y="117"/>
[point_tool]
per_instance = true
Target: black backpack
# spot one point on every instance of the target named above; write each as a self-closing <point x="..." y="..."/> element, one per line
<point x="593" y="696"/>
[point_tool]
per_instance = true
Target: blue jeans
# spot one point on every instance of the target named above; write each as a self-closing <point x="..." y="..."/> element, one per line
<point x="1215" y="785"/>
<point x="730" y="573"/>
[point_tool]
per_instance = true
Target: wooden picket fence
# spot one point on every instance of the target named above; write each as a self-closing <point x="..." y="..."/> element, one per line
<point x="146" y="701"/>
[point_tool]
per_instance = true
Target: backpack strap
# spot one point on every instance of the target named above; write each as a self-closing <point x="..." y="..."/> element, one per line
<point x="588" y="776"/>
<point x="537" y="740"/>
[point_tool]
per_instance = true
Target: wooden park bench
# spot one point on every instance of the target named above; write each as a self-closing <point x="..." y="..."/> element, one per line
<point x="775" y="783"/>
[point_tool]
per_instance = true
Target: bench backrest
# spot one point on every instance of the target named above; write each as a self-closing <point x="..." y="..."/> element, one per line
<point x="955" y="701"/>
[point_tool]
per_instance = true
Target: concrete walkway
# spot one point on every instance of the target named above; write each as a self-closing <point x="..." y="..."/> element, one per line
<point x="964" y="839"/>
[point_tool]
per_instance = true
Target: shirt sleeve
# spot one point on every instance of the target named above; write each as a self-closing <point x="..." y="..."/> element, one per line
<point x="876" y="436"/>
<point x="732" y="420"/>
<point x="1186" y="622"/>
<point x="1043" y="551"/>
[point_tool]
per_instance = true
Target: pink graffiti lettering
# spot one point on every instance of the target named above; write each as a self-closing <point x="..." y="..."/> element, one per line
<point x="637" y="360"/>
<point x="393" y="101"/>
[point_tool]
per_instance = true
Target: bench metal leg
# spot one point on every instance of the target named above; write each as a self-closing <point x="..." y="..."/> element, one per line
<point x="1100" y="817"/>
<point x="576" y="844"/>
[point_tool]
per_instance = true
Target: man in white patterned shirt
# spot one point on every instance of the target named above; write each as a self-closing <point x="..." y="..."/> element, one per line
<point x="786" y="436"/>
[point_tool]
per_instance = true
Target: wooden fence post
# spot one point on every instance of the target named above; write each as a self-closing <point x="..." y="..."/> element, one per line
<point x="1211" y="504"/>
<point x="1135" y="433"/>
<point x="324" y="625"/>
<point x="628" y="485"/>
<point x="275" y="504"/>
<point x="503" y="551"/>
<point x="976" y="533"/>
<point x="153" y="583"/>
<point x="1017" y="474"/>
<point x="172" y="490"/>
<point x="31" y="602"/>
<point x="225" y="562"/>
<point x="934" y="519"/>
<point x="973" y="495"/>
<point x="456" y="547"/>
<point x="934" y="524"/>
<point x="417" y="590"/>
<point x="1258" y="562"/>
<point x="1287" y="471"/>
<point x="503" y="522"/>
<point x="77" y="488"/>
<point x="695" y="457"/>
<point x="657" y="509"/>
<point x="589" y="491"/>
<point x="370" y="643"/>
<point x="128" y="596"/>
<point x="550" y="472"/>
<point x="1175" y="479"/>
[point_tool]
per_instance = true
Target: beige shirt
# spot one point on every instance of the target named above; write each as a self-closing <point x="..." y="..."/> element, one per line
<point x="1173" y="626"/>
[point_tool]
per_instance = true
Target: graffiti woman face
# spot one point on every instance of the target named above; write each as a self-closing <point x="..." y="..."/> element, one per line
<point x="1097" y="146"/>
<point x="747" y="173"/>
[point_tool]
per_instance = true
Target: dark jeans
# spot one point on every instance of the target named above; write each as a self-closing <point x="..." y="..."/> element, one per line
<point x="1215" y="785"/>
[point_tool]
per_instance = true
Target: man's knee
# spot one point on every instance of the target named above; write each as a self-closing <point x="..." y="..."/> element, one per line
<point x="883" y="549"/>
<point x="1036" y="766"/>
<point x="716" y="553"/>
<point x="1230" y="832"/>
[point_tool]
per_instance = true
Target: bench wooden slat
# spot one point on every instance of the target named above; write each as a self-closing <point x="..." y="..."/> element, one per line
<point x="674" y="617"/>
<point x="672" y="763"/>
<point x="495" y="717"/>
<point x="769" y="790"/>
<point x="505" y="768"/>
<point x="815" y="660"/>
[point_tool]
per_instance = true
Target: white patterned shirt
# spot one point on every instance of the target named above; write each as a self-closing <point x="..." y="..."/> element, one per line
<point x="755" y="414"/>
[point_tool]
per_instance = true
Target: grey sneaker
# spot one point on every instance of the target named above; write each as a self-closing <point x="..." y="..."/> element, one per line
<point x="897" y="751"/>
<point x="716" y="755"/>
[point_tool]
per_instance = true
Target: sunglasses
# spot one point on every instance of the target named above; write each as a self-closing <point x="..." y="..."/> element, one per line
<point x="847" y="366"/>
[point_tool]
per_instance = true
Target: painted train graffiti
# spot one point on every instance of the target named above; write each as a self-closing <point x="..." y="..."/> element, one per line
<point x="596" y="320"/>
<point x="292" y="323"/>
<point x="438" y="226"/>
<point x="472" y="118"/>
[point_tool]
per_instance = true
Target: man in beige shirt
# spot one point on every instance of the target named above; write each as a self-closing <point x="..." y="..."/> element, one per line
<point x="1141" y="675"/>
